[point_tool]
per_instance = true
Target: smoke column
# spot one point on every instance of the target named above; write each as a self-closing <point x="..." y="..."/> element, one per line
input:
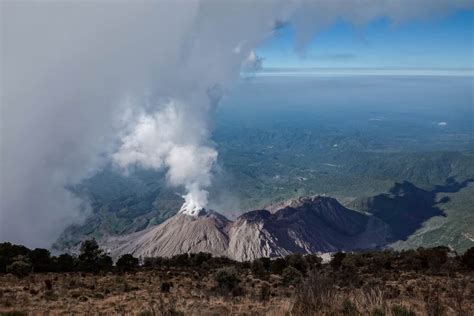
<point x="172" y="138"/>
<point x="138" y="81"/>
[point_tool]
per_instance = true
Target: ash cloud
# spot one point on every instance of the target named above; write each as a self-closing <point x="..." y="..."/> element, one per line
<point x="67" y="67"/>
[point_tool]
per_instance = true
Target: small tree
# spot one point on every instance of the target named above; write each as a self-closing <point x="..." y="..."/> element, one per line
<point x="105" y="262"/>
<point x="41" y="260"/>
<point x="92" y="259"/>
<point x="127" y="263"/>
<point x="65" y="263"/>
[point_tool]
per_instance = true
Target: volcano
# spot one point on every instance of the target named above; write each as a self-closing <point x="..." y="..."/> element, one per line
<point x="303" y="225"/>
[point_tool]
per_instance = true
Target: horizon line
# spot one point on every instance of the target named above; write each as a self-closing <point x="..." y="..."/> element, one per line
<point x="363" y="71"/>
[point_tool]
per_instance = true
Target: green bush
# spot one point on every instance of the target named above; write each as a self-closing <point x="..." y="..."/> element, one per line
<point x="8" y="252"/>
<point x="197" y="259"/>
<point x="41" y="260"/>
<point x="313" y="261"/>
<point x="298" y="262"/>
<point x="180" y="260"/>
<point x="278" y="265"/>
<point x="65" y="263"/>
<point x="19" y="268"/>
<point x="349" y="308"/>
<point x="227" y="279"/>
<point x="291" y="275"/>
<point x="258" y="268"/>
<point x="127" y="263"/>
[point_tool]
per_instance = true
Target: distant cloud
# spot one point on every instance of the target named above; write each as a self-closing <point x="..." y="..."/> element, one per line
<point x="333" y="56"/>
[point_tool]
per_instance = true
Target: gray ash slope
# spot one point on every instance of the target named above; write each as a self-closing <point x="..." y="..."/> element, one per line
<point x="304" y="225"/>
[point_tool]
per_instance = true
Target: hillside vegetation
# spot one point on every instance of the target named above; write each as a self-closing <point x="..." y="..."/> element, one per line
<point x="417" y="282"/>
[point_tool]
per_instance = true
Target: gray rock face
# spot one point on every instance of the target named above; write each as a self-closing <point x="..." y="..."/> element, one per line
<point x="182" y="233"/>
<point x="305" y="225"/>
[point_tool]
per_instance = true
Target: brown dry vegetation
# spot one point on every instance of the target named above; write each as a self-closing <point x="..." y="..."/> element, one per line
<point x="353" y="288"/>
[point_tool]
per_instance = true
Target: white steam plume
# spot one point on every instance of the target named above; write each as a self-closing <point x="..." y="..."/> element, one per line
<point x="66" y="65"/>
<point x="174" y="139"/>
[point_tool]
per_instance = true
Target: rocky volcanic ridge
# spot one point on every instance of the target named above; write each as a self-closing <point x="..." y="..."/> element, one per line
<point x="304" y="225"/>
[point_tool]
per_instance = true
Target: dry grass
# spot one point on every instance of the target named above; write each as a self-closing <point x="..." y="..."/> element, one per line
<point x="323" y="292"/>
<point x="402" y="294"/>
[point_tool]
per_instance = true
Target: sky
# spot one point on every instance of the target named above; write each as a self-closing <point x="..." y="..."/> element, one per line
<point x="442" y="42"/>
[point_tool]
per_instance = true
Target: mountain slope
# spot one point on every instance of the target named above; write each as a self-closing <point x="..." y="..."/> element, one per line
<point x="307" y="226"/>
<point x="182" y="233"/>
<point x="317" y="224"/>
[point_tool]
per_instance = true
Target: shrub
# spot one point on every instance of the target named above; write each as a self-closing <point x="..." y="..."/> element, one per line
<point x="433" y="304"/>
<point x="127" y="263"/>
<point x="41" y="260"/>
<point x="166" y="287"/>
<point x="399" y="310"/>
<point x="105" y="263"/>
<point x="19" y="268"/>
<point x="197" y="259"/>
<point x="153" y="262"/>
<point x="434" y="258"/>
<point x="260" y="267"/>
<point x="278" y="265"/>
<point x="180" y="260"/>
<point x="227" y="279"/>
<point x="313" y="261"/>
<point x="65" y="263"/>
<point x="92" y="259"/>
<point x="265" y="292"/>
<point x="298" y="262"/>
<point x="8" y="252"/>
<point x="48" y="284"/>
<point x="337" y="259"/>
<point x="349" y="308"/>
<point x="291" y="275"/>
<point x="468" y="258"/>
<point x="378" y="312"/>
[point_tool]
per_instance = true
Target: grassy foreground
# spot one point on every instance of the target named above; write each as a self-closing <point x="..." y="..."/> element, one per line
<point x="418" y="282"/>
